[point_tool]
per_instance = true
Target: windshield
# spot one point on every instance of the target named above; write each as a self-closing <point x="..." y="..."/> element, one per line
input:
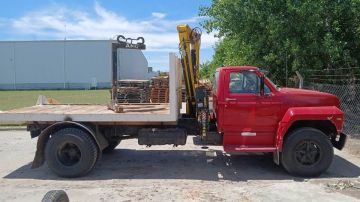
<point x="272" y="83"/>
<point x="266" y="72"/>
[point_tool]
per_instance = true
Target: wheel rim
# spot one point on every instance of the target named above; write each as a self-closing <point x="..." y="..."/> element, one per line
<point x="308" y="153"/>
<point x="69" y="154"/>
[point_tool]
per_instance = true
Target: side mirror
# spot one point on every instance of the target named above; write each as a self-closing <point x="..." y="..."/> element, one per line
<point x="262" y="85"/>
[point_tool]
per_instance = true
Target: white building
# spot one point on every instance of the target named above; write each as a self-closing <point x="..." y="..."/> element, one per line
<point x="68" y="64"/>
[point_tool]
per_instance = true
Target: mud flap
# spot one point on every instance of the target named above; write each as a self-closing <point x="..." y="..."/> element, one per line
<point x="339" y="144"/>
<point x="276" y="157"/>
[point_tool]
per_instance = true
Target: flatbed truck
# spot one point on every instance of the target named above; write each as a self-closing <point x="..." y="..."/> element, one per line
<point x="248" y="113"/>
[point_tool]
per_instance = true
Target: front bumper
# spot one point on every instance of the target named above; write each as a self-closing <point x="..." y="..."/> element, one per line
<point x="340" y="143"/>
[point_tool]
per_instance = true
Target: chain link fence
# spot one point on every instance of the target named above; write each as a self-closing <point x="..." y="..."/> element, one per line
<point x="341" y="84"/>
<point x="349" y="96"/>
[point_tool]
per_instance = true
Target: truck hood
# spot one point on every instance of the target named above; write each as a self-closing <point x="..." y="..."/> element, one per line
<point x="302" y="98"/>
<point x="297" y="91"/>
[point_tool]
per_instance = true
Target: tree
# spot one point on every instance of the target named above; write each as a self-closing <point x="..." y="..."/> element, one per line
<point x="323" y="34"/>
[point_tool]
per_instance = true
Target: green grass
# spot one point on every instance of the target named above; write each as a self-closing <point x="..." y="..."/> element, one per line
<point x="17" y="99"/>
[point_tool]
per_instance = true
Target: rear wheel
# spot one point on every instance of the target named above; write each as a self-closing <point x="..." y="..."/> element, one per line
<point x="71" y="152"/>
<point x="307" y="152"/>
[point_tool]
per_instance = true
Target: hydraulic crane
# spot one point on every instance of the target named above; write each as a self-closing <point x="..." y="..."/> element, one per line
<point x="196" y="98"/>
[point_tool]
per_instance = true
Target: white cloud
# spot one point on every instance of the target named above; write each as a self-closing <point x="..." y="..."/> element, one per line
<point x="59" y="22"/>
<point x="158" y="15"/>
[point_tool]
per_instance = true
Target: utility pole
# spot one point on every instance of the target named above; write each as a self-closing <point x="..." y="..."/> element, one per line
<point x="64" y="57"/>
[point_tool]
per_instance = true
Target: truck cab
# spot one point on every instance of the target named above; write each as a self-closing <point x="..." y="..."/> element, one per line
<point x="254" y="115"/>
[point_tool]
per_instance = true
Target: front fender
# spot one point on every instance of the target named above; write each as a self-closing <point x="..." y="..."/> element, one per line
<point x="328" y="113"/>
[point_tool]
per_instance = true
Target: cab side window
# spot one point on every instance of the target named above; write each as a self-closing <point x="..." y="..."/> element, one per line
<point x="244" y="82"/>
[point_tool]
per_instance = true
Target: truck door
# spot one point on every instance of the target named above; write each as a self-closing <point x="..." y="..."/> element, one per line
<point x="248" y="117"/>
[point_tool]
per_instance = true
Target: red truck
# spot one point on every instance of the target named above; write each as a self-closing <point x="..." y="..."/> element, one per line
<point x="248" y="114"/>
<point x="300" y="127"/>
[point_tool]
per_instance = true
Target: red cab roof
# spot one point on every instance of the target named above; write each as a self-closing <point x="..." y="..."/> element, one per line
<point x="239" y="67"/>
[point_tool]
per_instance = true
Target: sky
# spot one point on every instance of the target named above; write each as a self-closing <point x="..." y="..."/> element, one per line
<point x="155" y="20"/>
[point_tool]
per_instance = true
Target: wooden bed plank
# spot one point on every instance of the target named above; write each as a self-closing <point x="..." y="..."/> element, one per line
<point x="91" y="109"/>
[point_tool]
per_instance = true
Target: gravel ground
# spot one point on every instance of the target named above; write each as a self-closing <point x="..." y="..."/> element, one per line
<point x="164" y="173"/>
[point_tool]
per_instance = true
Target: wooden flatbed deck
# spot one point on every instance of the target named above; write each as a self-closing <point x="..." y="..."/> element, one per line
<point x="132" y="113"/>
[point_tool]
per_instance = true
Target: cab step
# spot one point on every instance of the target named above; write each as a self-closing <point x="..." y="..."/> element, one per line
<point x="241" y="148"/>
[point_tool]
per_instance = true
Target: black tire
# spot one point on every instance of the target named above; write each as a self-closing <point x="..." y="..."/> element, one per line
<point x="71" y="152"/>
<point x="55" y="196"/>
<point x="307" y="152"/>
<point x="111" y="147"/>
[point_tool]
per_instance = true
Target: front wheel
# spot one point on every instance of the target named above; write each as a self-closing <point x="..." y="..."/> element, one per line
<point x="307" y="152"/>
<point x="71" y="152"/>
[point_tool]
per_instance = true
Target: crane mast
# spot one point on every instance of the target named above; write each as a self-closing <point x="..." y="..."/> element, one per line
<point x="197" y="101"/>
<point x="189" y="48"/>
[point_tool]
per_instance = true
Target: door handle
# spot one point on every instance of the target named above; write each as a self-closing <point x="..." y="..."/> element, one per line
<point x="230" y="99"/>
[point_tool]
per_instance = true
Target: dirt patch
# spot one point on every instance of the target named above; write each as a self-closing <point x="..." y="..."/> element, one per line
<point x="164" y="173"/>
<point x="353" y="146"/>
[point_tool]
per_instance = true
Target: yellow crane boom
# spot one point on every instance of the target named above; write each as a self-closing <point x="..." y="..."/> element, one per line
<point x="189" y="47"/>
